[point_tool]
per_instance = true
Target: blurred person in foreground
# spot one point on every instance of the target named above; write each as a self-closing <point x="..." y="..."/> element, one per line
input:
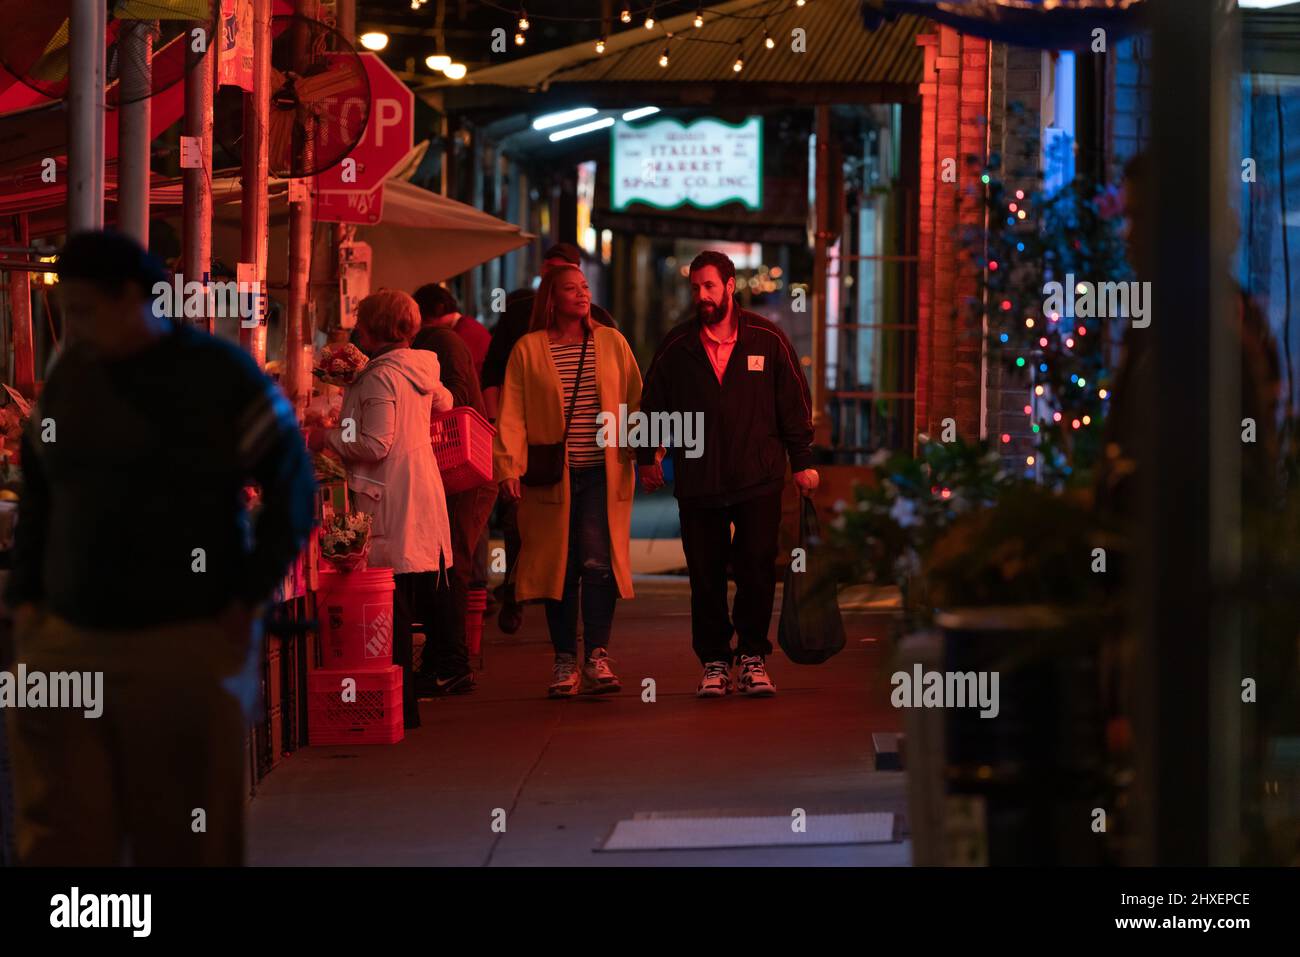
<point x="575" y="507"/>
<point x="467" y="510"/>
<point x="738" y="372"/>
<point x="394" y="476"/>
<point x="514" y="324"/>
<point x="133" y="559"/>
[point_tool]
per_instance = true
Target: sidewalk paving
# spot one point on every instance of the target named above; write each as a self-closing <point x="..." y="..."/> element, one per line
<point x="565" y="772"/>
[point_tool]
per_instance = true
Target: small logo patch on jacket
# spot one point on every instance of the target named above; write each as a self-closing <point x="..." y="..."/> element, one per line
<point x="756" y="363"/>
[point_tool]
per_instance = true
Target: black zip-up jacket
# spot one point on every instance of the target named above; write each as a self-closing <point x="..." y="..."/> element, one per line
<point x="760" y="414"/>
<point x="148" y="460"/>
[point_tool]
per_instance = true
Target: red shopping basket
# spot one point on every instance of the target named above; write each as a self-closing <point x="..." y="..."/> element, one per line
<point x="462" y="443"/>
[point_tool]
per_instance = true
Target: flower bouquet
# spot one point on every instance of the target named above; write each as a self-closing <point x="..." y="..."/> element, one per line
<point x="340" y="364"/>
<point x="345" y="541"/>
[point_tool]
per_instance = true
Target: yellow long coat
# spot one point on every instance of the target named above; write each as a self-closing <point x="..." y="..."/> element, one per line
<point x="532" y="412"/>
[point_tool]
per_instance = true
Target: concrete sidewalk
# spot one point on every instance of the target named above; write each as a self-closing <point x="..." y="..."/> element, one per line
<point x="564" y="772"/>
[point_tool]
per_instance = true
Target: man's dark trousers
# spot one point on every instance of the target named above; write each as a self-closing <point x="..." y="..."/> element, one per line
<point x="707" y="541"/>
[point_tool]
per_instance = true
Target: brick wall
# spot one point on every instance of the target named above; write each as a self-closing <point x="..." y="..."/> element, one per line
<point x="949" y="348"/>
<point x="1128" y="94"/>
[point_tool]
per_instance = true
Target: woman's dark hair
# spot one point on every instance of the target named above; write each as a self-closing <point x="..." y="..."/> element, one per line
<point x="434" y="301"/>
<point x="111" y="261"/>
<point x="544" y="302"/>
<point x="719" y="261"/>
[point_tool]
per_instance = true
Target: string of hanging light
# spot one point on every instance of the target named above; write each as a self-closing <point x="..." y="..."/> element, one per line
<point x="648" y="17"/>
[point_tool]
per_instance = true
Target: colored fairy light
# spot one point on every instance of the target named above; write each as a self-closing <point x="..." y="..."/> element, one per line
<point x="1005" y="438"/>
<point x="1011" y="220"/>
<point x="1042" y="367"/>
<point x="1087" y="420"/>
<point x="1056" y="417"/>
<point x="1012" y="207"/>
<point x="1083" y="330"/>
<point x="1004" y="337"/>
<point x="946" y="493"/>
<point x="1037" y="429"/>
<point x="1081" y="288"/>
<point x="1029" y="410"/>
<point x="1020" y="194"/>
<point x="1075" y="423"/>
<point x="1038" y="390"/>
<point x="1029" y="460"/>
<point x="1029" y="323"/>
<point x="1069" y="343"/>
<point x="1102" y="394"/>
<point x="993" y="265"/>
<point x="1054" y="316"/>
<point x="1020" y="247"/>
<point x="1006" y="305"/>
<point x="985" y="179"/>
<point x="1020" y="360"/>
<point x="1074" y="377"/>
<point x="1020" y="214"/>
<point x="1043" y="342"/>
<point x="1082" y="382"/>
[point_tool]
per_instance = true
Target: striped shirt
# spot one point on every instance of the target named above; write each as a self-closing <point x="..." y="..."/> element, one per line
<point x="582" y="447"/>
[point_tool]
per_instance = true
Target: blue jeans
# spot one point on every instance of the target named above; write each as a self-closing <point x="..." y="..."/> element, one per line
<point x="588" y="566"/>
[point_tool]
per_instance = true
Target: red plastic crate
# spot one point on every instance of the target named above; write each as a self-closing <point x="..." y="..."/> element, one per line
<point x="462" y="443"/>
<point x="374" y="718"/>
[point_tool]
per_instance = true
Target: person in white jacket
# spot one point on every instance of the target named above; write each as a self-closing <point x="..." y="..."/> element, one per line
<point x="383" y="440"/>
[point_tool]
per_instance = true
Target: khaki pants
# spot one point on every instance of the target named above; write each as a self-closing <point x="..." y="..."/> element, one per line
<point x="127" y="787"/>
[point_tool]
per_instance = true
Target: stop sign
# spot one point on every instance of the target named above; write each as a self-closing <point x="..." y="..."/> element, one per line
<point x="389" y="135"/>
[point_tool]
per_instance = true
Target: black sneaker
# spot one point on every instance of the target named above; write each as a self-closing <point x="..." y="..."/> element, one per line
<point x="429" y="686"/>
<point x="511" y="617"/>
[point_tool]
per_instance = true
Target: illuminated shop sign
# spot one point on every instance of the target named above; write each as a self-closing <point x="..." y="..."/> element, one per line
<point x="705" y="164"/>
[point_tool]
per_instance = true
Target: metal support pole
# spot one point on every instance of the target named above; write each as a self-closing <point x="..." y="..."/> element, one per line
<point x="298" y="327"/>
<point x="1185" y="757"/>
<point x="133" y="133"/>
<point x="821" y="234"/>
<point x="196" y="183"/>
<point x="88" y="24"/>
<point x="20" y="306"/>
<point x="254" y="171"/>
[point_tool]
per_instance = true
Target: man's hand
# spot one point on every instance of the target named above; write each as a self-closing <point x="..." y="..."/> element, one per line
<point x="510" y="490"/>
<point x="807" y="481"/>
<point x="652" y="476"/>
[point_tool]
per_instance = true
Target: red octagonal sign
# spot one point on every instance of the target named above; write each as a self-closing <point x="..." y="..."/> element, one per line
<point x="389" y="135"/>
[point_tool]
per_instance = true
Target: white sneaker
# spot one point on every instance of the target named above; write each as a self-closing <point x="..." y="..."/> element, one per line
<point x="754" y="679"/>
<point x="597" y="675"/>
<point x="564" y="683"/>
<point x="716" y="682"/>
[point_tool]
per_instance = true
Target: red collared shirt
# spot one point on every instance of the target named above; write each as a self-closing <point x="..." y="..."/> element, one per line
<point x="719" y="350"/>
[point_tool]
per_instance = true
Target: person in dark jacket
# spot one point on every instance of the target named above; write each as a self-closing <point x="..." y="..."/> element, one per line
<point x="134" y="560"/>
<point x="738" y="373"/>
<point x="513" y="325"/>
<point x="467" y="510"/>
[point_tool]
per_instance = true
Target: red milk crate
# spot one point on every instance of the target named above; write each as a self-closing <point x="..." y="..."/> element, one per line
<point x="375" y="717"/>
<point x="462" y="443"/>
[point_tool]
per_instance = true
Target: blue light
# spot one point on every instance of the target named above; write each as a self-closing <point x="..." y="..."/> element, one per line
<point x="1004" y="337"/>
<point x="1074" y="378"/>
<point x="1020" y="247"/>
<point x="1042" y="367"/>
<point x="1011" y="220"/>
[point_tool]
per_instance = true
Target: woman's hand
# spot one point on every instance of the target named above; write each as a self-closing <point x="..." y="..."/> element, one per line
<point x="510" y="490"/>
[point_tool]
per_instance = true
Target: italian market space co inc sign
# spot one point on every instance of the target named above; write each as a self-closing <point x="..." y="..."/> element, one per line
<point x="705" y="164"/>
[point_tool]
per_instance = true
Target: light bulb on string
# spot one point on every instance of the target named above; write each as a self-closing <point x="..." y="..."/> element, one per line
<point x="740" y="57"/>
<point x="600" y="45"/>
<point x="519" y="39"/>
<point x="625" y="15"/>
<point x="663" y="57"/>
<point x="523" y="19"/>
<point x="768" y="41"/>
<point x="650" y="18"/>
<point x="699" y="18"/>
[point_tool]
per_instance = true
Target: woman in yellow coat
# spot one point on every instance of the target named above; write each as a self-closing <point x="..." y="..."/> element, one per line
<point x="574" y="532"/>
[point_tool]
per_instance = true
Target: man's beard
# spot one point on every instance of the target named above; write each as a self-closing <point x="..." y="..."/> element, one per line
<point x="710" y="313"/>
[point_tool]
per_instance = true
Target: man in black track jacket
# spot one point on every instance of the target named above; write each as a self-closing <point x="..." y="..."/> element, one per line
<point x="737" y="374"/>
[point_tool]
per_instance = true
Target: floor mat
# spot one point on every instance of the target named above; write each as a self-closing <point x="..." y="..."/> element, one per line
<point x="660" y="832"/>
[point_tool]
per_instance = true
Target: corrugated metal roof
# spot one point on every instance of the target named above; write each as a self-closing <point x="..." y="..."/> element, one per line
<point x="838" y="49"/>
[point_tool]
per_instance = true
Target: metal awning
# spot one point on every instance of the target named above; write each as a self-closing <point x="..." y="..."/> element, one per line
<point x="839" y="53"/>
